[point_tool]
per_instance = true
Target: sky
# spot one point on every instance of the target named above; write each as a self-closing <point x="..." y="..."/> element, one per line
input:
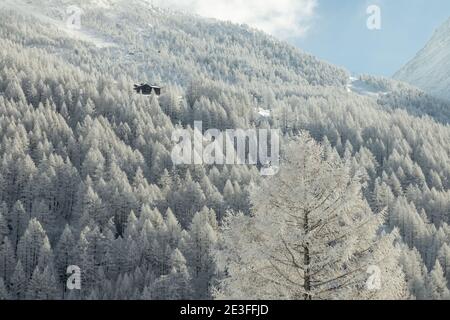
<point x="339" y="34"/>
<point x="282" y="18"/>
<point x="336" y="30"/>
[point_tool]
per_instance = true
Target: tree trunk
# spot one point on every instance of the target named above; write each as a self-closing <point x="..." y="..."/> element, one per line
<point x="306" y="261"/>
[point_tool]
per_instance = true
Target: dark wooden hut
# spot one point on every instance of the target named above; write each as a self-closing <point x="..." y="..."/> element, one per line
<point x="147" y="89"/>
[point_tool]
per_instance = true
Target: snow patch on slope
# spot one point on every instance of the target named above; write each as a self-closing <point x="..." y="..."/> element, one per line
<point x="31" y="8"/>
<point x="264" y="113"/>
<point x="363" y="88"/>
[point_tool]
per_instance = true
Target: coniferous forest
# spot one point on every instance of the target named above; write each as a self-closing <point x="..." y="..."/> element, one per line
<point x="87" y="178"/>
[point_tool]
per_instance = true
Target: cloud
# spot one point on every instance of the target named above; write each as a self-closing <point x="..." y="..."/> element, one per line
<point x="282" y="18"/>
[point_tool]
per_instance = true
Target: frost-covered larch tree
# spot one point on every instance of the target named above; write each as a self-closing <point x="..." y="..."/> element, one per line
<point x="311" y="235"/>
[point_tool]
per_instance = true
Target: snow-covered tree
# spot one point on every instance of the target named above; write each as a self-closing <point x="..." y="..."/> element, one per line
<point x="30" y="245"/>
<point x="4" y="295"/>
<point x="65" y="255"/>
<point x="19" y="222"/>
<point x="42" y="285"/>
<point x="4" y="229"/>
<point x="7" y="260"/>
<point x="199" y="247"/>
<point x="437" y="284"/>
<point x="176" y="285"/>
<point x="311" y="235"/>
<point x="18" y="282"/>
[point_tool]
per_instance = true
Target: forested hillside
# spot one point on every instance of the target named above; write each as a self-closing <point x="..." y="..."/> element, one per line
<point x="86" y="176"/>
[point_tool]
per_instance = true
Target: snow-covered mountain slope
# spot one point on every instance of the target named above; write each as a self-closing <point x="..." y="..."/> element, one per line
<point x="430" y="68"/>
<point x="137" y="39"/>
<point x="89" y="160"/>
<point x="56" y="14"/>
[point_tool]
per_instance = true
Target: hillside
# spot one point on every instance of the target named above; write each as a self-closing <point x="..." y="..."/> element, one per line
<point x="87" y="161"/>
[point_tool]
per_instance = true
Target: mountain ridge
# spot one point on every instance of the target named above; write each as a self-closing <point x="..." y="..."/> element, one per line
<point x="430" y="67"/>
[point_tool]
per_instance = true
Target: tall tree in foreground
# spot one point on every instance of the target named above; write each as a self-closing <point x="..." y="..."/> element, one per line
<point x="311" y="235"/>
